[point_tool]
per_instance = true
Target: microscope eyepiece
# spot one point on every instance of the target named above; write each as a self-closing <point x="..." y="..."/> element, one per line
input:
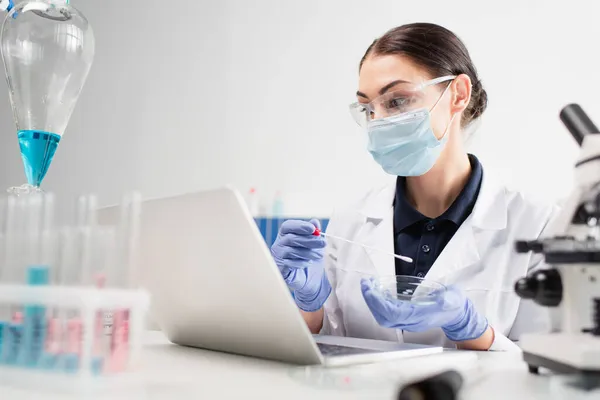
<point x="577" y="122"/>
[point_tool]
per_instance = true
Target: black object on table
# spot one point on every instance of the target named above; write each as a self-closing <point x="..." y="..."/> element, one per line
<point x="443" y="386"/>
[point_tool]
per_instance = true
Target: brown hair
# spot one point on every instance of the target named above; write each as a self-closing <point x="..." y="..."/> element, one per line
<point x="439" y="51"/>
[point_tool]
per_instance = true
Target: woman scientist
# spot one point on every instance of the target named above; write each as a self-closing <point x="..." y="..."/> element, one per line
<point x="418" y="89"/>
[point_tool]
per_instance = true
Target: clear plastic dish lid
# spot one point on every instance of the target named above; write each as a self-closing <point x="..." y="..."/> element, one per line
<point x="393" y="287"/>
<point x="53" y="9"/>
<point x="397" y="287"/>
<point x="410" y="288"/>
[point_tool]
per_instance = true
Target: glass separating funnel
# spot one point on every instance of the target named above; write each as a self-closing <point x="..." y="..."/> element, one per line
<point x="48" y="49"/>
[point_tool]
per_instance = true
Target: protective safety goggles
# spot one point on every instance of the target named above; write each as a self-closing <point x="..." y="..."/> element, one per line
<point x="402" y="98"/>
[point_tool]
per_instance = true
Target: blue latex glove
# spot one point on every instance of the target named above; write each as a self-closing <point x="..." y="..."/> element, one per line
<point x="299" y="256"/>
<point x="454" y="313"/>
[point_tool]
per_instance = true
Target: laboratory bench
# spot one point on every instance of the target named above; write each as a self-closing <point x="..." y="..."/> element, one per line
<point x="168" y="371"/>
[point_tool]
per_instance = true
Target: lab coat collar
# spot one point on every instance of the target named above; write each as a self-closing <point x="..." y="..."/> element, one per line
<point x="379" y="202"/>
<point x="490" y="211"/>
<point x="491" y="208"/>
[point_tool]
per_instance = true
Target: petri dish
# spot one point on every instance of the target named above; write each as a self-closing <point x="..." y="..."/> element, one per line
<point x="413" y="289"/>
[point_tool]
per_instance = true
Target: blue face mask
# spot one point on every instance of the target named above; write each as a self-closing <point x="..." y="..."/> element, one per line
<point x="404" y="145"/>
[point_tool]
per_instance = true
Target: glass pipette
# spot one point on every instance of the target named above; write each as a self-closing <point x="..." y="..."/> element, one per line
<point x="318" y="232"/>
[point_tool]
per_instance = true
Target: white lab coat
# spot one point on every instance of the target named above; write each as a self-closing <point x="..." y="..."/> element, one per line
<point x="480" y="259"/>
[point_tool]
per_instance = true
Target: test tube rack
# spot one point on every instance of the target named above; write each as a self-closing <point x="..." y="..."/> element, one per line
<point x="96" y="362"/>
<point x="70" y="318"/>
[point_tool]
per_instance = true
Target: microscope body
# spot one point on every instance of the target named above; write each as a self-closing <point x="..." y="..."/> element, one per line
<point x="571" y="284"/>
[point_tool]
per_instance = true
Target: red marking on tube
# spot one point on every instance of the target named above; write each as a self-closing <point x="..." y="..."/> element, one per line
<point x="17" y="317"/>
<point x="53" y="336"/>
<point x="100" y="280"/>
<point x="119" y="345"/>
<point x="317" y="232"/>
<point x="74" y="336"/>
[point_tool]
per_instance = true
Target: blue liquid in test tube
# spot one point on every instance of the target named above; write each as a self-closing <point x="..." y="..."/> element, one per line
<point x="2" y="327"/>
<point x="34" y="321"/>
<point x="13" y="332"/>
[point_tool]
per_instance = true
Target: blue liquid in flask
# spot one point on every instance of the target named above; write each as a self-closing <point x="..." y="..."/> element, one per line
<point x="37" y="152"/>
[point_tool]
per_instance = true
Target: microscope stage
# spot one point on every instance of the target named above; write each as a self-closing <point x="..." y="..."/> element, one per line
<point x="566" y="352"/>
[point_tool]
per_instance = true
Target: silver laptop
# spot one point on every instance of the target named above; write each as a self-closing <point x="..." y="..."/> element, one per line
<point x="214" y="285"/>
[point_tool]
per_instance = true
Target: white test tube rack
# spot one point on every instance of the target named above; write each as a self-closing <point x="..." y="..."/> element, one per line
<point x="87" y="302"/>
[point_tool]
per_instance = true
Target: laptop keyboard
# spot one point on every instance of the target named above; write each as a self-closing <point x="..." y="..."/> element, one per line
<point x="329" y="350"/>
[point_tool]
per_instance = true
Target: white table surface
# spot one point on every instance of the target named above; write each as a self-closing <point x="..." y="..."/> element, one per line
<point x="168" y="371"/>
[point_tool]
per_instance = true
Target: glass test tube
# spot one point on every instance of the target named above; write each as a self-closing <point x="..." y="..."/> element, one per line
<point x="123" y="275"/>
<point x="38" y="262"/>
<point x="4" y="314"/>
<point x="103" y="258"/>
<point x="48" y="264"/>
<point x="15" y="211"/>
<point x="68" y="323"/>
<point x="76" y="270"/>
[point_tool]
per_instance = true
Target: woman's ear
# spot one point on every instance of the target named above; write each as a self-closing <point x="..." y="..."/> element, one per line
<point x="461" y="90"/>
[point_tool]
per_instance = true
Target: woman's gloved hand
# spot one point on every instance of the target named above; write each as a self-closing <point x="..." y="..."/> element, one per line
<point x="299" y="256"/>
<point x="454" y="313"/>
